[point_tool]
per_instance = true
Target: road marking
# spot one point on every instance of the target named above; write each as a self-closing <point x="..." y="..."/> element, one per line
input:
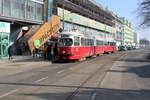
<point x="41" y="79"/>
<point x="93" y="96"/>
<point x="11" y="92"/>
<point x="60" y="71"/>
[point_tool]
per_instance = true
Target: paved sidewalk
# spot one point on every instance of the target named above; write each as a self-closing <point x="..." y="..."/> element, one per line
<point x="20" y="64"/>
<point x="128" y="79"/>
<point x="19" y="61"/>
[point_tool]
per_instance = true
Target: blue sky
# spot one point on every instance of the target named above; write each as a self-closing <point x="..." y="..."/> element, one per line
<point x="127" y="9"/>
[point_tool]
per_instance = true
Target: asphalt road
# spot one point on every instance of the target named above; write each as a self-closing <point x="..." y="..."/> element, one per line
<point x="119" y="76"/>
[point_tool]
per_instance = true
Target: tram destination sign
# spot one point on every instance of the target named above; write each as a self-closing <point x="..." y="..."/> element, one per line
<point x="4" y="27"/>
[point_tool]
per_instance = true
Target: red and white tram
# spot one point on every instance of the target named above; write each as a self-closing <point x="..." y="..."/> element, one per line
<point x="74" y="45"/>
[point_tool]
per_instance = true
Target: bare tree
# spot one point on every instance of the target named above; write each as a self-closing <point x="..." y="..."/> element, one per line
<point x="145" y="12"/>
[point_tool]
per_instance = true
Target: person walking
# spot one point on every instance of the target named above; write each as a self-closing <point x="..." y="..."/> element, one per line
<point x="49" y="54"/>
<point x="33" y="53"/>
<point x="55" y="52"/>
<point x="10" y="53"/>
<point x="36" y="52"/>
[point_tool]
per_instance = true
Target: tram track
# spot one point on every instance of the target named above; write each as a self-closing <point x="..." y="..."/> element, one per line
<point x="99" y="71"/>
<point x="77" y="90"/>
<point x="79" y="66"/>
<point x="102" y="60"/>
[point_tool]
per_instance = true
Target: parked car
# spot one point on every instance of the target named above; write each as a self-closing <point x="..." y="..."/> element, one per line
<point x="122" y="48"/>
<point x="129" y="48"/>
<point x="134" y="47"/>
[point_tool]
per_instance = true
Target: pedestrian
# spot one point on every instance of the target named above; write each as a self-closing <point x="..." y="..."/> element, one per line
<point x="36" y="52"/>
<point x="45" y="53"/>
<point x="49" y="54"/>
<point x="33" y="53"/>
<point x="10" y="53"/>
<point x="55" y="52"/>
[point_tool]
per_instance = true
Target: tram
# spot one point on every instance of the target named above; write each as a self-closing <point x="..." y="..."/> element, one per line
<point x="74" y="45"/>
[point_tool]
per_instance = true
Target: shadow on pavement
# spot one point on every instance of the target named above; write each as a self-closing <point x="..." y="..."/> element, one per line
<point x="134" y="60"/>
<point x="102" y="94"/>
<point x="28" y="60"/>
<point x="148" y="57"/>
<point x="72" y="61"/>
<point x="140" y="71"/>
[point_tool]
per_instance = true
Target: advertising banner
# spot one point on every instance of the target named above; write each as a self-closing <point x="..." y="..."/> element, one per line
<point x="78" y="19"/>
<point x="4" y="27"/>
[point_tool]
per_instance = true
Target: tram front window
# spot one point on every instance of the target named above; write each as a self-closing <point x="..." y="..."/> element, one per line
<point x="65" y="42"/>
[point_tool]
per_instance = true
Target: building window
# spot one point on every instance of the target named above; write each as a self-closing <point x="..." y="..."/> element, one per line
<point x="6" y="7"/>
<point x="0" y="6"/>
<point x="39" y="13"/>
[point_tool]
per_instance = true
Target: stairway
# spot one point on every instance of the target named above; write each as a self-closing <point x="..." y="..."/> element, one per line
<point x="45" y="32"/>
<point x="21" y="44"/>
<point x="32" y="31"/>
<point x="25" y="44"/>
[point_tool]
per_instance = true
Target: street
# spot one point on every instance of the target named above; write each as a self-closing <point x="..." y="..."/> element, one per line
<point x="117" y="76"/>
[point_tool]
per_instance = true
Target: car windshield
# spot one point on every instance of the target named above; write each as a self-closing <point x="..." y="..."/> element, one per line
<point x="65" y="42"/>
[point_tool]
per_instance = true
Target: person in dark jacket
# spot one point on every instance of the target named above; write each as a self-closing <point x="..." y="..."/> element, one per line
<point x="49" y="54"/>
<point x="10" y="52"/>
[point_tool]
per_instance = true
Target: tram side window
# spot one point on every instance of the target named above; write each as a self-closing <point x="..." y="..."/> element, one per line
<point x="82" y="42"/>
<point x="76" y="41"/>
<point x="106" y="43"/>
<point x="92" y="42"/>
<point x="112" y="43"/>
<point x="65" y="42"/>
<point x="86" y="42"/>
<point x="89" y="42"/>
<point x="99" y="43"/>
<point x="109" y="43"/>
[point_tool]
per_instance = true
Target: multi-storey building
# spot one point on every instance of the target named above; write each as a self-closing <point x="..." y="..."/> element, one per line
<point x="86" y="16"/>
<point x="119" y="36"/>
<point x="14" y="14"/>
<point x="30" y="11"/>
<point x="128" y="32"/>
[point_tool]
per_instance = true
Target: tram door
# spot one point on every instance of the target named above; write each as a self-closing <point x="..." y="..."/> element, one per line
<point x="4" y="43"/>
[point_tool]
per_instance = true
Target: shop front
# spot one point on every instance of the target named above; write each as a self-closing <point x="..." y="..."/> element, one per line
<point x="4" y="38"/>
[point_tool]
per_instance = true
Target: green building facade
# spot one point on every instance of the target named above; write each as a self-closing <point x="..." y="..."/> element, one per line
<point x="128" y="32"/>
